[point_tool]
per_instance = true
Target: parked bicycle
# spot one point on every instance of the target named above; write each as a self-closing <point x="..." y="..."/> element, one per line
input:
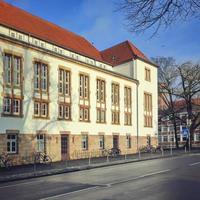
<point x="148" y="149"/>
<point x="43" y="158"/>
<point x="111" y="152"/>
<point x="5" y="161"/>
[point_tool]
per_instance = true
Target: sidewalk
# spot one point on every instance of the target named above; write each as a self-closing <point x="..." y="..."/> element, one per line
<point x="30" y="171"/>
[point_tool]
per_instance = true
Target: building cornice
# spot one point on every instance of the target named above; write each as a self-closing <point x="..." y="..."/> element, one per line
<point x="57" y="55"/>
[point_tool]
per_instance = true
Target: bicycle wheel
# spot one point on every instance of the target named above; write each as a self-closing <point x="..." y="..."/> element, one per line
<point x="37" y="158"/>
<point x="47" y="159"/>
<point x="8" y="163"/>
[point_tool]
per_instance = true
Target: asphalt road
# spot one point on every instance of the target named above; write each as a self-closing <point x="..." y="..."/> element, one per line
<point x="162" y="179"/>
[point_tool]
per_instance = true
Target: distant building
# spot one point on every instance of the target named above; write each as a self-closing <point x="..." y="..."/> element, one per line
<point x="166" y="134"/>
<point x="61" y="96"/>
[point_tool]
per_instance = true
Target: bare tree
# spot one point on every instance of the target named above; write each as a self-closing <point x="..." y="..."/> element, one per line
<point x="189" y="90"/>
<point x="167" y="75"/>
<point x="180" y="83"/>
<point x="141" y="15"/>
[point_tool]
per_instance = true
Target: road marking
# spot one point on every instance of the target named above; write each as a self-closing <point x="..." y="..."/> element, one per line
<point x="138" y="177"/>
<point x="196" y="163"/>
<point x="68" y="193"/>
<point x="24" y="183"/>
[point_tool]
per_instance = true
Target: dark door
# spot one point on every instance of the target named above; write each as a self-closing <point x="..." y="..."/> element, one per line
<point x="149" y="140"/>
<point x="64" y="147"/>
<point x="115" y="141"/>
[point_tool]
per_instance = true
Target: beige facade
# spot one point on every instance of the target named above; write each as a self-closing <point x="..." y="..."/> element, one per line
<point x="58" y="136"/>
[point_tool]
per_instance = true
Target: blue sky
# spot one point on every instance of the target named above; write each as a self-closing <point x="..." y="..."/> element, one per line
<point x="98" y="21"/>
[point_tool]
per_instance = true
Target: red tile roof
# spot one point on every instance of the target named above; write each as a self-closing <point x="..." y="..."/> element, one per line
<point x="121" y="53"/>
<point x="21" y="20"/>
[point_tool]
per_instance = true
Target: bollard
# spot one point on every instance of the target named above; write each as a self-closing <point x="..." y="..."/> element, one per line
<point x="162" y="152"/>
<point x="125" y="156"/>
<point x="34" y="166"/>
<point x="139" y="154"/>
<point x="107" y="159"/>
<point x="66" y="163"/>
<point x="89" y="161"/>
<point x="185" y="149"/>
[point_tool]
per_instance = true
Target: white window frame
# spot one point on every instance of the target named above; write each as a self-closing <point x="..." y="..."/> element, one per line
<point x="40" y="143"/>
<point x="36" y="108"/>
<point x="44" y="109"/>
<point x="16" y="106"/>
<point x="101" y="141"/>
<point x="12" y="142"/>
<point x="7" y="104"/>
<point x="84" y="142"/>
<point x="128" y="141"/>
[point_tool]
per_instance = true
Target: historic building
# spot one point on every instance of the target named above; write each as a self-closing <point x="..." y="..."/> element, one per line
<point x="62" y="96"/>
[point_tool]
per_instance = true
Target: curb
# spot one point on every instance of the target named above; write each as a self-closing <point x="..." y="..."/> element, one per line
<point x="37" y="174"/>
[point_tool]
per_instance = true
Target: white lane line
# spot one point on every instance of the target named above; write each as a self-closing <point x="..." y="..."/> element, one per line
<point x="68" y="193"/>
<point x="139" y="177"/>
<point x="196" y="163"/>
<point x="18" y="184"/>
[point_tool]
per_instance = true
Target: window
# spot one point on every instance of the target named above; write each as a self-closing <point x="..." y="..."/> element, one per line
<point x="115" y="94"/>
<point x="12" y="70"/>
<point x="12" y="143"/>
<point x="159" y="139"/>
<point x="41" y="109"/>
<point x="100" y="91"/>
<point x="85" y="142"/>
<point x="64" y="82"/>
<point x="147" y="74"/>
<point x="36" y="108"/>
<point x="101" y="115"/>
<point x="115" y="103"/>
<point x="147" y="110"/>
<point x="178" y="137"/>
<point x="127" y="97"/>
<point x="44" y="77"/>
<point x="41" y="77"/>
<point x="64" y="111"/>
<point x="171" y="138"/>
<point x="12" y="103"/>
<point x="128" y="141"/>
<point x="44" y="110"/>
<point x="101" y="141"/>
<point x="84" y="87"/>
<point x="7" y="106"/>
<point x="127" y="106"/>
<point x="197" y="137"/>
<point x="84" y="114"/>
<point x="84" y="109"/>
<point x="7" y="68"/>
<point x="115" y="117"/>
<point x="12" y="106"/>
<point x="41" y="86"/>
<point x="16" y="106"/>
<point x="164" y="129"/>
<point x="17" y="71"/>
<point x="165" y="138"/>
<point x="40" y="142"/>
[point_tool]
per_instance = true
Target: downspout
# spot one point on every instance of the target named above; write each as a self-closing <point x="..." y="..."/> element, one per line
<point x="137" y="100"/>
<point x="137" y="120"/>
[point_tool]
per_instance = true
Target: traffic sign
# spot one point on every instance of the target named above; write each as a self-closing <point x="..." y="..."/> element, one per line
<point x="185" y="132"/>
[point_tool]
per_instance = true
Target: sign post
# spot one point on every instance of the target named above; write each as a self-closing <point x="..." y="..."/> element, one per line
<point x="186" y="133"/>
